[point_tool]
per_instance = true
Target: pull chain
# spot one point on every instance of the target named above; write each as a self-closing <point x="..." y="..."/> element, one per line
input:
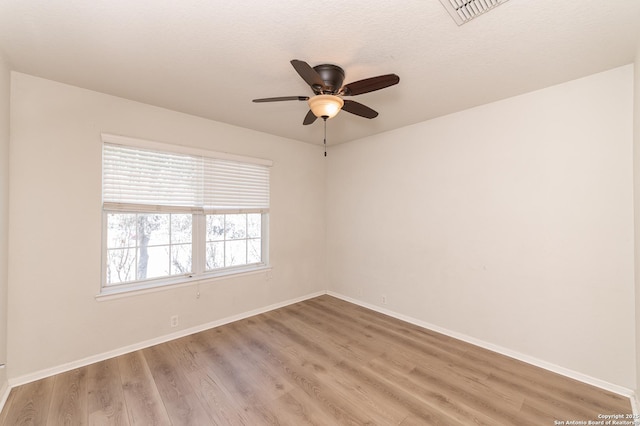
<point x="324" y="117"/>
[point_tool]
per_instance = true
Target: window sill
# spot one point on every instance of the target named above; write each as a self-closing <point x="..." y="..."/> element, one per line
<point x="117" y="293"/>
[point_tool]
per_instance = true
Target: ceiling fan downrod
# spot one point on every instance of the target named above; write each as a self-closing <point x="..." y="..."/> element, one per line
<point x="324" y="117"/>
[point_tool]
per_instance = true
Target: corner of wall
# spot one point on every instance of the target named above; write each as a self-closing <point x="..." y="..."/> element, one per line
<point x="4" y="388"/>
<point x="5" y="78"/>
<point x="636" y="205"/>
<point x="635" y="403"/>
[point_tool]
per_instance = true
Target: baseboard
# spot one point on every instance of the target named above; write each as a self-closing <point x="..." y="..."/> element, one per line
<point x="5" y="389"/>
<point x="38" y="375"/>
<point x="620" y="390"/>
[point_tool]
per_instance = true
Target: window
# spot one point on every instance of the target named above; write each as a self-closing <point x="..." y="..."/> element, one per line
<point x="142" y="245"/>
<point x="173" y="214"/>
<point x="233" y="239"/>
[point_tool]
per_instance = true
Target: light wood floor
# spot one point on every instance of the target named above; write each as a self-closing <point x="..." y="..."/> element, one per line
<point x="323" y="361"/>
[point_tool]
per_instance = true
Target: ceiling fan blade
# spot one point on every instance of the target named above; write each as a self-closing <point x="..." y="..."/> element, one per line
<point x="283" y="98"/>
<point x="358" y="109"/>
<point x="370" y="84"/>
<point x="308" y="74"/>
<point x="309" y="118"/>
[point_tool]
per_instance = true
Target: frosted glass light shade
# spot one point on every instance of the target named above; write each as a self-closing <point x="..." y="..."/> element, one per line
<point x="325" y="105"/>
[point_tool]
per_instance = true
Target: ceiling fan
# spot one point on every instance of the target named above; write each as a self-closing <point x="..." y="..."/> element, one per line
<point x="326" y="82"/>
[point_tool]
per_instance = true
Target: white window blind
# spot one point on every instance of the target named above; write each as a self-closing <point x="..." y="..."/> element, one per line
<point x="136" y="176"/>
<point x="233" y="185"/>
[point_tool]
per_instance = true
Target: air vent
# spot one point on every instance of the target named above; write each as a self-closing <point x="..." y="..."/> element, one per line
<point x="462" y="11"/>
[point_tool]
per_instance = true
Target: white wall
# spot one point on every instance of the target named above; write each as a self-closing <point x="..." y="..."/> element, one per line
<point x="4" y="213"/>
<point x="511" y="223"/>
<point x="55" y="211"/>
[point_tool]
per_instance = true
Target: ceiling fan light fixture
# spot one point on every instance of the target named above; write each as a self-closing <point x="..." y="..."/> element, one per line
<point x="325" y="105"/>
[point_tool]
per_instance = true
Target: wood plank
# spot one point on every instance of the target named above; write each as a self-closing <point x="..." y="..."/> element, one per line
<point x="69" y="399"/>
<point x="294" y="363"/>
<point x="233" y="373"/>
<point x="342" y="337"/>
<point x="29" y="404"/>
<point x="433" y="406"/>
<point x="298" y="408"/>
<point x="222" y="407"/>
<point x="105" y="404"/>
<point x="143" y="402"/>
<point x="187" y="350"/>
<point x="264" y="377"/>
<point x="183" y="406"/>
<point x="351" y="384"/>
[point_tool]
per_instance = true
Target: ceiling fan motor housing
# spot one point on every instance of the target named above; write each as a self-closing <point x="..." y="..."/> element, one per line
<point x="333" y="77"/>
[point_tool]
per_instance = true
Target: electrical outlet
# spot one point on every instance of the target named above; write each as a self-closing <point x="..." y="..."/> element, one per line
<point x="384" y="299"/>
<point x="174" y="321"/>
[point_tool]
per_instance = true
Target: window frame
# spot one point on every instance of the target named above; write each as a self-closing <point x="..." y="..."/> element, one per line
<point x="198" y="242"/>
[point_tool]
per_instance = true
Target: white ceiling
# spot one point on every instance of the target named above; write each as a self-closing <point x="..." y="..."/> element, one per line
<point x="212" y="57"/>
